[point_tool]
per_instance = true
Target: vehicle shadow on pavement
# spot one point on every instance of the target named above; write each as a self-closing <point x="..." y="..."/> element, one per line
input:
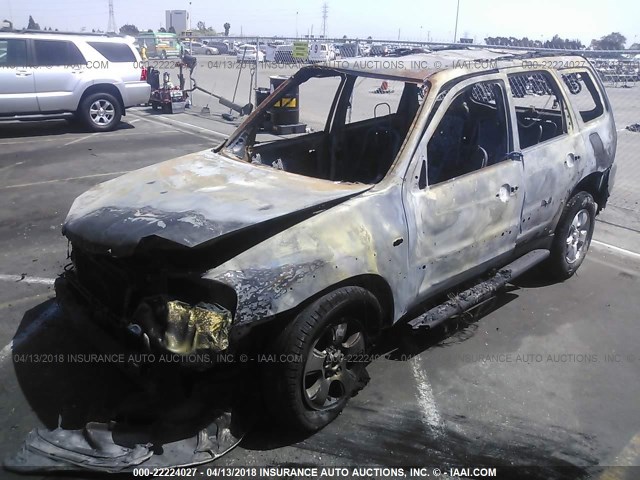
<point x="49" y="127"/>
<point x="69" y="382"/>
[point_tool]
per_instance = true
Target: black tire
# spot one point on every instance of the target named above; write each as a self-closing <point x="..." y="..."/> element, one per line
<point x="323" y="346"/>
<point x="103" y="120"/>
<point x="563" y="262"/>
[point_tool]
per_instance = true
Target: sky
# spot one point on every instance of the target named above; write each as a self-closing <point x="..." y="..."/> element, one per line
<point x="410" y="20"/>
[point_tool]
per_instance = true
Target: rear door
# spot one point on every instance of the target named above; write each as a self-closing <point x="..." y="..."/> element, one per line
<point x="17" y="83"/>
<point x="551" y="147"/>
<point x="463" y="190"/>
<point x="60" y="71"/>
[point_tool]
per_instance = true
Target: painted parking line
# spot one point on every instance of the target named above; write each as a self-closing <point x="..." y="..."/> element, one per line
<point x="32" y="139"/>
<point x="426" y="401"/>
<point x="170" y="122"/>
<point x="24" y="334"/>
<point x="10" y="166"/>
<point x="629" y="456"/>
<point x="622" y="251"/>
<point x="44" y="182"/>
<point x="26" y="279"/>
<point x="79" y="139"/>
<point x="189" y="125"/>
<point x="6" y="351"/>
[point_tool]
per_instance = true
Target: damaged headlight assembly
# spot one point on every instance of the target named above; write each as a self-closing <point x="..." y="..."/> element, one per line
<point x="182" y="328"/>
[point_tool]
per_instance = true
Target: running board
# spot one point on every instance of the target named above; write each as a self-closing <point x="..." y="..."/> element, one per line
<point x="479" y="293"/>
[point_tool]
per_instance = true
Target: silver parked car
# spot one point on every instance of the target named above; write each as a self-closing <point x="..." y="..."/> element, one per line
<point x="306" y="246"/>
<point x="52" y="75"/>
<point x="197" y="48"/>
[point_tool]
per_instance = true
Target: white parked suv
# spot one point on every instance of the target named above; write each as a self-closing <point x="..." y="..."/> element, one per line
<point x="52" y="75"/>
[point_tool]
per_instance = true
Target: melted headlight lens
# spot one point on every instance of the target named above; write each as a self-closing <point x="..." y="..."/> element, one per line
<point x="204" y="326"/>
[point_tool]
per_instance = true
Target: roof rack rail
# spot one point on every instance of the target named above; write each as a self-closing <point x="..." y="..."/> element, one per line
<point x="54" y="32"/>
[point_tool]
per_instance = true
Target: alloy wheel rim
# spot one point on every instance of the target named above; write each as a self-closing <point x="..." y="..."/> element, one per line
<point x="328" y="375"/>
<point x="576" y="242"/>
<point x="102" y="112"/>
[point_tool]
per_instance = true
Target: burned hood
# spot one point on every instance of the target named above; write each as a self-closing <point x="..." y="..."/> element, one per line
<point x="192" y="200"/>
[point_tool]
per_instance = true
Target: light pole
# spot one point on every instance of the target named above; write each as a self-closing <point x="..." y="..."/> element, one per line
<point x="455" y="32"/>
<point x="190" y="51"/>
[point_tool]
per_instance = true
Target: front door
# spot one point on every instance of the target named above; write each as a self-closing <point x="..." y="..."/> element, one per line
<point x="463" y="190"/>
<point x="17" y="84"/>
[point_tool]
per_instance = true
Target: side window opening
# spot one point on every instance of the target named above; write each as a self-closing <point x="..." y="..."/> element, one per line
<point x="585" y="94"/>
<point x="114" y="52"/>
<point x="50" y="53"/>
<point x="472" y="134"/>
<point x="347" y="132"/>
<point x="540" y="110"/>
<point x="13" y="53"/>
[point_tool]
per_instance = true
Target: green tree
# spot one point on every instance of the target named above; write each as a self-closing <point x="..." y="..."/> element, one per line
<point x="227" y="27"/>
<point x="32" y="24"/>
<point x="171" y="29"/>
<point x="129" y="29"/>
<point x="613" y="41"/>
<point x="162" y="30"/>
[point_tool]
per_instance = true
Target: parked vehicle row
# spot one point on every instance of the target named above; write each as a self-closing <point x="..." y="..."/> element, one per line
<point x="92" y="78"/>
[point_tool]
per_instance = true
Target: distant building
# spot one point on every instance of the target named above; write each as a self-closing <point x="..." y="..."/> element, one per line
<point x="178" y="19"/>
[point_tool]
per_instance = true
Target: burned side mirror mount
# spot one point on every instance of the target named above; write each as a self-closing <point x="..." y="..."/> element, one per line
<point x="515" y="156"/>
<point x="422" y="179"/>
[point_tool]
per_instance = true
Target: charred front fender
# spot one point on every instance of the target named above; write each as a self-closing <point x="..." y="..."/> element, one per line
<point x="365" y="236"/>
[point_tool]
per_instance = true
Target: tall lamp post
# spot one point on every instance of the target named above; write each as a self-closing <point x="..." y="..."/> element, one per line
<point x="455" y="32"/>
<point x="190" y="49"/>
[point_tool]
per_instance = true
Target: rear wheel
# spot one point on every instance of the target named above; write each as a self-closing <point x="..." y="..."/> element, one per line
<point x="101" y="112"/>
<point x="319" y="361"/>
<point x="573" y="236"/>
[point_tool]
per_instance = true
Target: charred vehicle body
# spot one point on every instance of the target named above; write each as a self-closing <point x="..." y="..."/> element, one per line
<point x="311" y="244"/>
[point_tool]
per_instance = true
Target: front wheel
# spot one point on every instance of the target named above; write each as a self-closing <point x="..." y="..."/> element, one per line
<point x="319" y="359"/>
<point x="573" y="236"/>
<point x="101" y="112"/>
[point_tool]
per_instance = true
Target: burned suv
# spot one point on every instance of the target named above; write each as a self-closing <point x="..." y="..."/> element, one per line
<point x="409" y="203"/>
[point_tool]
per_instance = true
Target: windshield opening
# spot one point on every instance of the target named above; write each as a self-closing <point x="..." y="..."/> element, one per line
<point x="331" y="125"/>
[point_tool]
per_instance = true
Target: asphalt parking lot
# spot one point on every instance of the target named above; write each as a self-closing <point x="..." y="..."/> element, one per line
<point x="548" y="375"/>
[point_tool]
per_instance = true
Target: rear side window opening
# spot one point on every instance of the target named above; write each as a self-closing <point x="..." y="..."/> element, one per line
<point x="114" y="52"/>
<point x="541" y="112"/>
<point x="355" y="139"/>
<point x="585" y="95"/>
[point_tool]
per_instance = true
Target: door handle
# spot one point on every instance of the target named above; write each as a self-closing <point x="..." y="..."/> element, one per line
<point x="506" y="191"/>
<point x="571" y="160"/>
<point x="23" y="74"/>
